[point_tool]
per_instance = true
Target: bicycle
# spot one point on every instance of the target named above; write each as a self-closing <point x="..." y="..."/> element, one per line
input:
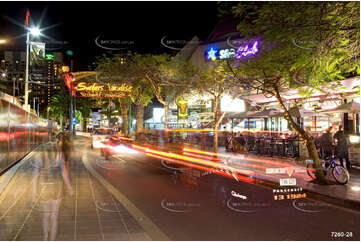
<point x="340" y="173"/>
<point x="289" y="149"/>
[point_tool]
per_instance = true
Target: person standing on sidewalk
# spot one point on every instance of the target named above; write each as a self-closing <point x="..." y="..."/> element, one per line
<point x="342" y="147"/>
<point x="326" y="143"/>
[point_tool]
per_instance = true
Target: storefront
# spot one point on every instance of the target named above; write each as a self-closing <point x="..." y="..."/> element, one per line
<point x="317" y="112"/>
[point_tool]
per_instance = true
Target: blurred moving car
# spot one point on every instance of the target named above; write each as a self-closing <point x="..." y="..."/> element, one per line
<point x="115" y="145"/>
<point x="99" y="135"/>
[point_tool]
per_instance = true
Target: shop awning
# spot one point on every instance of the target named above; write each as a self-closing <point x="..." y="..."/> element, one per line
<point x="239" y="115"/>
<point x="263" y="114"/>
<point x="311" y="113"/>
<point x="266" y="113"/>
<point x="346" y="86"/>
<point x="294" y="112"/>
<point x="351" y="107"/>
<point x="269" y="113"/>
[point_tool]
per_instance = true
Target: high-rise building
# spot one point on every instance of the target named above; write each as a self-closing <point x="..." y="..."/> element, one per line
<point x="13" y="67"/>
<point x="52" y="82"/>
<point x="44" y="80"/>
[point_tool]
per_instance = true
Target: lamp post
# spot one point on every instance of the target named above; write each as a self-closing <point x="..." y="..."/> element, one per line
<point x="71" y="128"/>
<point x="36" y="32"/>
<point x="34" y="107"/>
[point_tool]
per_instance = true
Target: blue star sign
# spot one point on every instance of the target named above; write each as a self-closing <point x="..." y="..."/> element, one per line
<point x="211" y="54"/>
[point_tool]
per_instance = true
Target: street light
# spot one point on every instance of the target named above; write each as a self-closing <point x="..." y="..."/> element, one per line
<point x="2" y="41"/>
<point x="35" y="32"/>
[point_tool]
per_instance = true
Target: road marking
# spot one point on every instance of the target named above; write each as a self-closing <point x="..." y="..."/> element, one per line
<point x="121" y="218"/>
<point x="149" y="227"/>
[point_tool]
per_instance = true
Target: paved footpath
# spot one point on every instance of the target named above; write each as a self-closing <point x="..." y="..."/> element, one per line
<point x="89" y="213"/>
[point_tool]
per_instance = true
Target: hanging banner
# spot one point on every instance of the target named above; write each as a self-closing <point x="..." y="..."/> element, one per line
<point x="37" y="53"/>
<point x="37" y="61"/>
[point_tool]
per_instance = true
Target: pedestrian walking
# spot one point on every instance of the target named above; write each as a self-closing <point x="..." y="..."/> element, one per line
<point x="229" y="145"/>
<point x="49" y="177"/>
<point x="342" y="147"/>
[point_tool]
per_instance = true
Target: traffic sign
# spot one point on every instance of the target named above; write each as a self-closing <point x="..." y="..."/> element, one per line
<point x="74" y="121"/>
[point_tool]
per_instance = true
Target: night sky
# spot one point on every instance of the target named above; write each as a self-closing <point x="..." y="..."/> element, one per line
<point x="134" y="26"/>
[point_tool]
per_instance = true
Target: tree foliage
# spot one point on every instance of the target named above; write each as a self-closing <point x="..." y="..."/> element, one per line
<point x="306" y="43"/>
<point x="302" y="44"/>
<point x="59" y="106"/>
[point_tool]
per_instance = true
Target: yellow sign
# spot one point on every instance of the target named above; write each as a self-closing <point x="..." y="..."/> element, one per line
<point x="101" y="94"/>
<point x="65" y="69"/>
<point x="182" y="109"/>
<point x="102" y="90"/>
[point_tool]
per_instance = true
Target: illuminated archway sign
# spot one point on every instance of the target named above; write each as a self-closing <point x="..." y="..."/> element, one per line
<point x="96" y="90"/>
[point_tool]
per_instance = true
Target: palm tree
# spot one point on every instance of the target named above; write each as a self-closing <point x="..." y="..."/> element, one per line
<point x="83" y="111"/>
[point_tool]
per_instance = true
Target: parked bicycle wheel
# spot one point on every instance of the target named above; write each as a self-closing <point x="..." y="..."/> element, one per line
<point x="340" y="174"/>
<point x="311" y="171"/>
<point x="289" y="150"/>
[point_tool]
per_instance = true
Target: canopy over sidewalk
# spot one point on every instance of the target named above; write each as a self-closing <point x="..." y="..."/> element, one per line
<point x="351" y="107"/>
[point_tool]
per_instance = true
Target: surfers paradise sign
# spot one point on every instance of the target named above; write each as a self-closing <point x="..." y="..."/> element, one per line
<point x="98" y="90"/>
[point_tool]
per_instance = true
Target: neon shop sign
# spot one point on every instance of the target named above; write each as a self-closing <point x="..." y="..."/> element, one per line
<point x="229" y="53"/>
